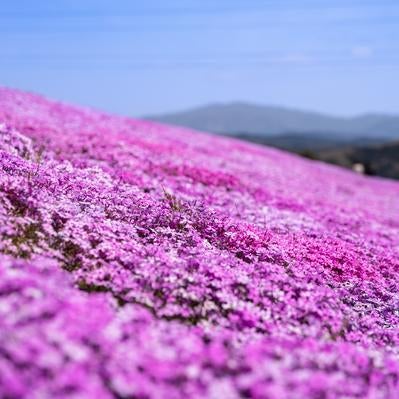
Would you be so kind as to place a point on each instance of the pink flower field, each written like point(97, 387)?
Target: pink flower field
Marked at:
point(143, 261)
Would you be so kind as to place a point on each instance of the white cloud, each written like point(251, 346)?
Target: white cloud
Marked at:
point(362, 52)
point(295, 58)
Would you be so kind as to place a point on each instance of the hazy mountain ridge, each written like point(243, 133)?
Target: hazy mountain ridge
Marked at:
point(262, 120)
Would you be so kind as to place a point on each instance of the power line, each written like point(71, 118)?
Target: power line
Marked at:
point(324, 54)
point(204, 64)
point(394, 22)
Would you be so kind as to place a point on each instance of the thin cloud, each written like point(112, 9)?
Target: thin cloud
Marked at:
point(362, 52)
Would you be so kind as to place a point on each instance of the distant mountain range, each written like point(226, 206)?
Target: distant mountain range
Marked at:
point(245, 119)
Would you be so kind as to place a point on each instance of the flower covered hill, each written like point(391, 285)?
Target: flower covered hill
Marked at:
point(143, 261)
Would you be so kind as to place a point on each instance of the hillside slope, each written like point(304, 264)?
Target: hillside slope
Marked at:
point(381, 160)
point(144, 261)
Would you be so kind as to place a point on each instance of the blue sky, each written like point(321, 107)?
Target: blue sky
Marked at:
point(143, 57)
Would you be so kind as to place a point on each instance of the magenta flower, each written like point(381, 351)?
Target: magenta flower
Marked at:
point(144, 261)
